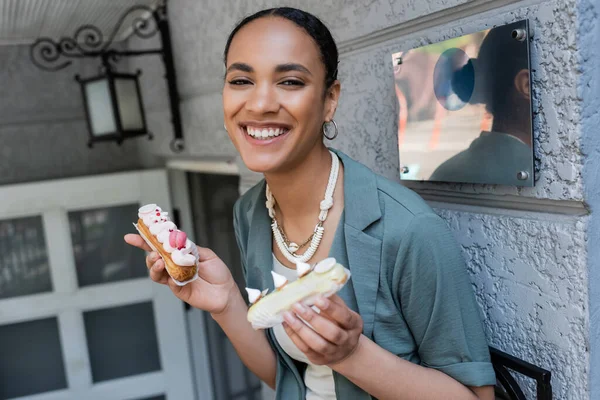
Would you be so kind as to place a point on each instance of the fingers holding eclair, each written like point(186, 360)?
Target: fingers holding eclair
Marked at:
point(179, 254)
point(211, 287)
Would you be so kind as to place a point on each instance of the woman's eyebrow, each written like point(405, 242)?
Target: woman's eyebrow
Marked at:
point(292, 67)
point(240, 67)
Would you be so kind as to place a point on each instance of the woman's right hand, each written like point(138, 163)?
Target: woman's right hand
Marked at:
point(213, 290)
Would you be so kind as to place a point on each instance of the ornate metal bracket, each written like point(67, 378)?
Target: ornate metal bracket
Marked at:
point(89, 42)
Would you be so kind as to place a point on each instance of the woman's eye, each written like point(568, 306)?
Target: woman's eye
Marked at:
point(292, 82)
point(239, 82)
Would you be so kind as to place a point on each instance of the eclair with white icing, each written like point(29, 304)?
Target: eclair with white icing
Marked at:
point(326, 278)
point(178, 252)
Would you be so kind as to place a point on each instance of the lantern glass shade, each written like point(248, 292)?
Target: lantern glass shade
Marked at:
point(100, 108)
point(113, 107)
point(129, 104)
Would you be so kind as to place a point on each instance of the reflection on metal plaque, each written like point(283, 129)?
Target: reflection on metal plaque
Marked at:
point(465, 109)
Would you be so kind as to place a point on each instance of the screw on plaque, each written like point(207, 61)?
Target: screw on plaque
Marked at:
point(522, 175)
point(519, 34)
point(399, 61)
point(404, 170)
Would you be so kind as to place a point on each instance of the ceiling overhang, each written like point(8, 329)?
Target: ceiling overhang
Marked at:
point(22, 22)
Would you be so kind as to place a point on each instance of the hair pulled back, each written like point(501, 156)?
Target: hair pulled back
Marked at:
point(311, 25)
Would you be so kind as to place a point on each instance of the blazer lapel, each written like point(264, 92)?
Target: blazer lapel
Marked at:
point(260, 248)
point(361, 210)
point(364, 257)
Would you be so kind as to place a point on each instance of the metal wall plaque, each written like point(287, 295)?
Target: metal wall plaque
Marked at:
point(465, 109)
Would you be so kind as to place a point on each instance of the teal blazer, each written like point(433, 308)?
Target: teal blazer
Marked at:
point(409, 281)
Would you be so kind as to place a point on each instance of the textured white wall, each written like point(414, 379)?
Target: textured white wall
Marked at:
point(529, 269)
point(43, 134)
point(526, 247)
point(530, 277)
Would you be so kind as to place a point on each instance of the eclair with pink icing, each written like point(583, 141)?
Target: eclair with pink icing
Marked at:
point(178, 252)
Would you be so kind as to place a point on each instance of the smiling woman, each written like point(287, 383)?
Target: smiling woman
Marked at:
point(280, 87)
point(406, 325)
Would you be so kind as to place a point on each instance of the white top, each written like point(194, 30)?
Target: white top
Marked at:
point(317, 378)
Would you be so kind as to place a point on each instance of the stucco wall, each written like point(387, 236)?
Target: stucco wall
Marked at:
point(529, 268)
point(527, 249)
point(531, 281)
point(43, 134)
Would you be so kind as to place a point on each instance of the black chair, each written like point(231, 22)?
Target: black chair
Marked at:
point(508, 388)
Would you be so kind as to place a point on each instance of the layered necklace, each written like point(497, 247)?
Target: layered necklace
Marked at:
point(288, 248)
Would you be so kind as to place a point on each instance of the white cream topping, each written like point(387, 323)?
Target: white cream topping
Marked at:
point(147, 209)
point(324, 265)
point(189, 246)
point(254, 294)
point(168, 248)
point(160, 225)
point(302, 268)
point(148, 212)
point(163, 236)
point(183, 259)
point(185, 255)
point(278, 280)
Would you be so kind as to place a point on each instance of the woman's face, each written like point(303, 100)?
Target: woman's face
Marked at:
point(273, 100)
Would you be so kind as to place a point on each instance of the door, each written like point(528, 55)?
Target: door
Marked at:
point(79, 317)
point(212, 196)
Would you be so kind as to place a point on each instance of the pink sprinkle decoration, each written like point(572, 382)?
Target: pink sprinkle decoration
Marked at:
point(177, 239)
point(181, 239)
point(172, 239)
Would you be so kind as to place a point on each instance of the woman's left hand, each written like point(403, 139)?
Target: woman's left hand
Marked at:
point(335, 331)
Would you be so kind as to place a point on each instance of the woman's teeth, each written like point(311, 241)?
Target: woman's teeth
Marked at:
point(266, 133)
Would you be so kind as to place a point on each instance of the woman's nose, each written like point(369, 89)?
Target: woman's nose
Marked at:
point(262, 99)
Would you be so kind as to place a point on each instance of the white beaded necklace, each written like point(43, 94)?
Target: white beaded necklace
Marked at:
point(289, 250)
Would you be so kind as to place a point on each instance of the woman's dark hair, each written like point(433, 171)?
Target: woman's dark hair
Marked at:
point(311, 24)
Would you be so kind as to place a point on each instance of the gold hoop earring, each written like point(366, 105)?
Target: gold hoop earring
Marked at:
point(334, 134)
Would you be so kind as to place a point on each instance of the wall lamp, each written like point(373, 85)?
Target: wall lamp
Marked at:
point(113, 104)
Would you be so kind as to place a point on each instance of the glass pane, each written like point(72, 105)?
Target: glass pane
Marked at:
point(31, 358)
point(465, 109)
point(122, 341)
point(129, 104)
point(24, 265)
point(101, 255)
point(100, 109)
